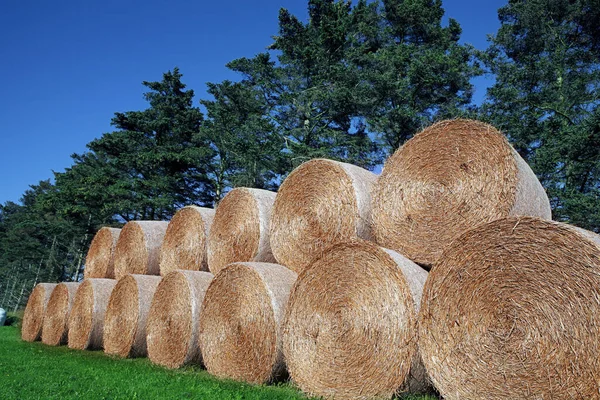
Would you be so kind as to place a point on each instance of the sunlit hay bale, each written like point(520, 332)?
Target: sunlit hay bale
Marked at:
point(172, 329)
point(56, 319)
point(138, 248)
point(351, 324)
point(184, 246)
point(126, 315)
point(322, 202)
point(240, 230)
point(446, 180)
point(33, 318)
point(240, 321)
point(511, 310)
point(86, 321)
point(99, 262)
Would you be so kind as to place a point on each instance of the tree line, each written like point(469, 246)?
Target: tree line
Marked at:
point(352, 83)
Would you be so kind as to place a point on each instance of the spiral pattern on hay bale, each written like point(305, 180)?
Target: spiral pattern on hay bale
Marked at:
point(99, 262)
point(447, 179)
point(240, 230)
point(86, 320)
point(185, 242)
point(172, 328)
point(351, 324)
point(127, 314)
point(240, 321)
point(138, 248)
point(322, 202)
point(56, 319)
point(512, 310)
point(33, 318)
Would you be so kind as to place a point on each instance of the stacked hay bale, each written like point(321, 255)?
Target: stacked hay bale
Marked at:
point(240, 230)
point(449, 178)
point(138, 248)
point(126, 315)
point(240, 321)
point(322, 202)
point(56, 317)
point(33, 318)
point(350, 325)
point(172, 327)
point(185, 242)
point(86, 321)
point(99, 262)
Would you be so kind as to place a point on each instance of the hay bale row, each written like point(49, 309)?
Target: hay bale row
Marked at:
point(33, 318)
point(138, 248)
point(126, 315)
point(172, 327)
point(240, 230)
point(56, 317)
point(185, 242)
point(322, 202)
point(240, 321)
point(99, 262)
point(86, 320)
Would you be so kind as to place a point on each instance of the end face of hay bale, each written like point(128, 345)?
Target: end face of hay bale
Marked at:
point(86, 321)
point(240, 321)
point(184, 246)
point(56, 318)
point(138, 248)
point(446, 180)
point(240, 230)
point(172, 328)
point(99, 262)
point(350, 329)
point(511, 310)
point(322, 202)
point(33, 318)
point(126, 315)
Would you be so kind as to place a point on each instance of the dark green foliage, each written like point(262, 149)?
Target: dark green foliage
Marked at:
point(546, 61)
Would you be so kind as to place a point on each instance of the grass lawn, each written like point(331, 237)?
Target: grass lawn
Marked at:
point(37, 371)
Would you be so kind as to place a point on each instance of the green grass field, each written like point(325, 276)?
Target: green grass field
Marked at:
point(37, 371)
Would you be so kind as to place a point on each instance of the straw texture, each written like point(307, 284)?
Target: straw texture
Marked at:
point(322, 202)
point(138, 248)
point(33, 318)
point(184, 246)
point(86, 321)
point(172, 329)
point(350, 328)
point(56, 318)
point(99, 262)
point(126, 315)
point(446, 180)
point(240, 230)
point(512, 311)
point(240, 321)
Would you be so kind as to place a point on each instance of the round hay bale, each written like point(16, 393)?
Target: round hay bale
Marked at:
point(56, 318)
point(138, 248)
point(240, 230)
point(184, 246)
point(512, 311)
point(172, 329)
point(351, 324)
point(240, 321)
point(86, 321)
point(99, 262)
point(322, 202)
point(33, 318)
point(446, 180)
point(126, 315)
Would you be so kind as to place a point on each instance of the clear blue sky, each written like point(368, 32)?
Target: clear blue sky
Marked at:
point(66, 66)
